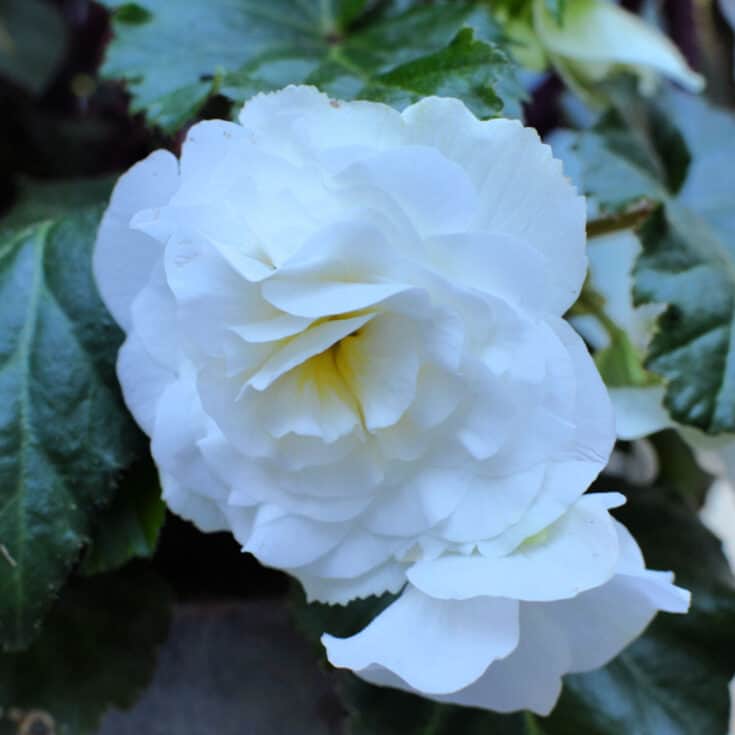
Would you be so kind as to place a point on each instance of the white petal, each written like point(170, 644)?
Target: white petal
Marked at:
point(301, 119)
point(433, 190)
point(593, 415)
point(326, 299)
point(345, 267)
point(437, 395)
point(576, 553)
point(252, 482)
point(272, 330)
point(522, 191)
point(612, 258)
point(418, 503)
point(219, 395)
point(381, 366)
point(143, 381)
point(387, 578)
point(180, 424)
point(289, 541)
point(123, 258)
point(600, 32)
point(441, 492)
point(528, 679)
point(497, 406)
point(491, 504)
point(202, 511)
point(298, 350)
point(601, 622)
point(154, 319)
point(357, 555)
point(500, 264)
point(639, 411)
point(211, 296)
point(435, 646)
point(204, 154)
point(311, 401)
point(562, 487)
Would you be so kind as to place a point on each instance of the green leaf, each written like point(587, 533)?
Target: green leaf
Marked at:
point(97, 650)
point(468, 69)
point(32, 42)
point(684, 265)
point(49, 200)
point(64, 432)
point(674, 679)
point(351, 49)
point(679, 469)
point(129, 527)
point(132, 13)
point(678, 151)
point(383, 711)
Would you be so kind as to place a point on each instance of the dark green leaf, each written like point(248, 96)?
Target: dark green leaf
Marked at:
point(680, 152)
point(648, 136)
point(346, 11)
point(636, 150)
point(132, 13)
point(129, 527)
point(467, 68)
point(64, 432)
point(382, 711)
point(684, 265)
point(349, 48)
point(97, 650)
point(48, 200)
point(32, 41)
point(709, 133)
point(679, 469)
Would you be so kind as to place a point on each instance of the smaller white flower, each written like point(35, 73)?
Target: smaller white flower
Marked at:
point(595, 39)
point(500, 631)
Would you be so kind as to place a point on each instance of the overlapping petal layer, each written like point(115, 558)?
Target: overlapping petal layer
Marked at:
point(500, 632)
point(345, 340)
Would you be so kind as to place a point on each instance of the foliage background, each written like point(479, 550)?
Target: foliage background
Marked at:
point(116, 617)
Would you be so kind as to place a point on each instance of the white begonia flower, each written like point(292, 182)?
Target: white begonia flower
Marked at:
point(344, 338)
point(594, 39)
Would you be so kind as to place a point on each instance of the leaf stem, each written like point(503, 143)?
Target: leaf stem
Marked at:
point(629, 219)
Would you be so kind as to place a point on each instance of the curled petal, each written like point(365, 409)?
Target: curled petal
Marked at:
point(434, 646)
point(123, 258)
